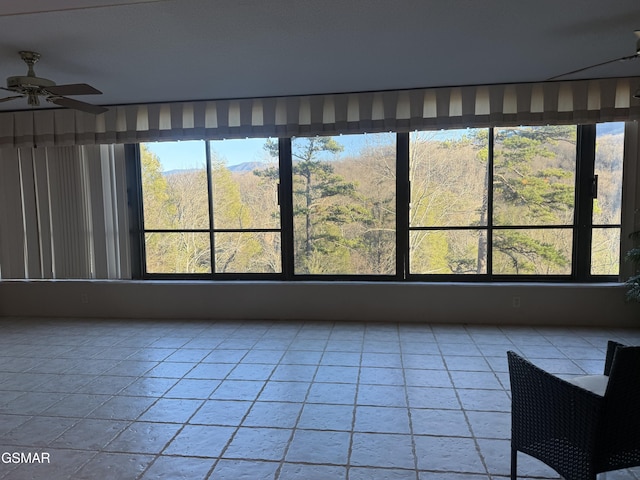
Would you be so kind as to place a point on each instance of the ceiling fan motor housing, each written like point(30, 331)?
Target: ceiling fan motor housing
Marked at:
point(21, 82)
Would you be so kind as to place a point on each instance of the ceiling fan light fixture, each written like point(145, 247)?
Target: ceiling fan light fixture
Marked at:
point(33, 100)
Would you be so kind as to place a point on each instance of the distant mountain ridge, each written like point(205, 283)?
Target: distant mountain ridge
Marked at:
point(178, 171)
point(240, 167)
point(247, 166)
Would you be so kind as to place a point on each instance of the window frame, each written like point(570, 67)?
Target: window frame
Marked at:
point(581, 228)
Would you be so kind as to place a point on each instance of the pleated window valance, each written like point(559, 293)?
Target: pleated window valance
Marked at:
point(563, 102)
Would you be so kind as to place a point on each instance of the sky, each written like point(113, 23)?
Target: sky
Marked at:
point(191, 154)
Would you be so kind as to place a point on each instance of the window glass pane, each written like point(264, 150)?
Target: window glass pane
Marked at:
point(344, 204)
point(174, 185)
point(608, 168)
point(248, 252)
point(605, 251)
point(532, 252)
point(179, 252)
point(448, 251)
point(245, 180)
point(534, 175)
point(448, 174)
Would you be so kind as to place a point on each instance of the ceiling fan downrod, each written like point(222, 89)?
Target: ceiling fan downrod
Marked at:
point(30, 58)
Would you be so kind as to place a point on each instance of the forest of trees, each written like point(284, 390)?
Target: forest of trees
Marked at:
point(344, 206)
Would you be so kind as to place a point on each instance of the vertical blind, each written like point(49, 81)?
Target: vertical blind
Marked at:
point(561, 102)
point(63, 213)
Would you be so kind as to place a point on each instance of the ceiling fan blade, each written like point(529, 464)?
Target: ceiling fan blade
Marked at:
point(73, 89)
point(77, 105)
point(621, 59)
point(6, 99)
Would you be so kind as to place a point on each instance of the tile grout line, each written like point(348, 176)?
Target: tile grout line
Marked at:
point(464, 411)
point(253, 402)
point(348, 465)
point(406, 394)
point(185, 423)
point(304, 402)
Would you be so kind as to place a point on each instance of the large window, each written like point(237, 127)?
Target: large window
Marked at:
point(519, 203)
point(448, 202)
point(607, 204)
point(176, 217)
point(344, 205)
point(246, 218)
point(533, 183)
point(211, 208)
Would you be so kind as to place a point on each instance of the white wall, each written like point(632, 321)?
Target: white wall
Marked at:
point(540, 304)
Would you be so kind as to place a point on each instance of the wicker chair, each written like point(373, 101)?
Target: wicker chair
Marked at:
point(579, 431)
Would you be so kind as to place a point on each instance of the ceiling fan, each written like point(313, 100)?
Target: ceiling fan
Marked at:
point(620, 59)
point(34, 87)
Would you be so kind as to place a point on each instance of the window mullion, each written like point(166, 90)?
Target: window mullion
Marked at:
point(490, 203)
point(285, 195)
point(212, 240)
point(582, 233)
point(403, 198)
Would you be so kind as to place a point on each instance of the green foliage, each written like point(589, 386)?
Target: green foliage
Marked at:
point(633, 283)
point(159, 206)
point(525, 252)
point(344, 207)
point(230, 212)
point(433, 255)
point(633, 289)
point(532, 186)
point(321, 205)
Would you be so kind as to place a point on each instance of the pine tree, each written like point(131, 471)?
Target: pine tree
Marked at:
point(533, 185)
point(321, 206)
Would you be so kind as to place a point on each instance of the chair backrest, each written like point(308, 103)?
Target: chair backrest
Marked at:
point(620, 427)
point(624, 375)
point(611, 350)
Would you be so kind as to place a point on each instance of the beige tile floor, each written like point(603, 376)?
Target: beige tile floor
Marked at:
point(272, 400)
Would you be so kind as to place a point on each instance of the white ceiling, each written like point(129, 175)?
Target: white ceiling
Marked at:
point(164, 50)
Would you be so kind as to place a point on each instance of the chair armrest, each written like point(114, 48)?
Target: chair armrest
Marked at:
point(547, 410)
